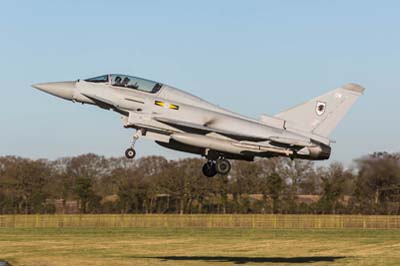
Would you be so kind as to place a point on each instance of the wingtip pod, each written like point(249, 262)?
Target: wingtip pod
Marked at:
point(354, 87)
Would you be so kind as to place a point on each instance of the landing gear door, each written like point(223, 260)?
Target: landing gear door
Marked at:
point(136, 119)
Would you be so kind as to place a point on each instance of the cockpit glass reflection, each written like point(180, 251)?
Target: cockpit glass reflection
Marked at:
point(135, 83)
point(129, 82)
point(100, 79)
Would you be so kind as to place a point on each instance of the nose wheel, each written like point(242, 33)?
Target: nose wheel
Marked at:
point(130, 153)
point(212, 168)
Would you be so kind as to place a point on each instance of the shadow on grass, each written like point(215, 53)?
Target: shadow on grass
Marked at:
point(244, 260)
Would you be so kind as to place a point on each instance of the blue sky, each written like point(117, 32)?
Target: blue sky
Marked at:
point(252, 57)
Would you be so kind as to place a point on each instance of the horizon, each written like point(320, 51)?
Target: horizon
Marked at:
point(352, 165)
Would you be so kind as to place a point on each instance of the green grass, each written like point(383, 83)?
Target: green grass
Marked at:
point(42, 247)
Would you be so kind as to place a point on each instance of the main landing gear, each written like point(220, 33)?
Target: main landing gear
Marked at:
point(130, 153)
point(221, 166)
point(209, 169)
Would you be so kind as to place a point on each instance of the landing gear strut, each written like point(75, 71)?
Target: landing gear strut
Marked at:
point(130, 153)
point(221, 166)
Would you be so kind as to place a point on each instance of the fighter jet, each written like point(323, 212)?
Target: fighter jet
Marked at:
point(180, 121)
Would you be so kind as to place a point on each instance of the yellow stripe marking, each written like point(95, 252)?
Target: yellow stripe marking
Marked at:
point(173, 106)
point(159, 103)
point(170, 106)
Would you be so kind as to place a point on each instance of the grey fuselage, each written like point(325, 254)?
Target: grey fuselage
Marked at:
point(181, 121)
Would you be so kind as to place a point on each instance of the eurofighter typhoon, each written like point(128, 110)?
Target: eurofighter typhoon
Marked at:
point(181, 121)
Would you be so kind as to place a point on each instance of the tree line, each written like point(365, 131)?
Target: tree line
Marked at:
point(156, 185)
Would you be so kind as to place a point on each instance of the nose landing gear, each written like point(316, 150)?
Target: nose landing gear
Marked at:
point(130, 153)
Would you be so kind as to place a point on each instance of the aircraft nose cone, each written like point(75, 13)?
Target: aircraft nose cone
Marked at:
point(63, 90)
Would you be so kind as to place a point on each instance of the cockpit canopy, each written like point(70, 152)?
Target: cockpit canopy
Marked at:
point(129, 82)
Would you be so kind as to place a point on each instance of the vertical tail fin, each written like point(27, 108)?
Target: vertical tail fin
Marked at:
point(322, 114)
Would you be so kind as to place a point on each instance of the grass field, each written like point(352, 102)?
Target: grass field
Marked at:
point(212, 246)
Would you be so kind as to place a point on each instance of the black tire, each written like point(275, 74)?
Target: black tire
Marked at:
point(209, 169)
point(130, 153)
point(223, 166)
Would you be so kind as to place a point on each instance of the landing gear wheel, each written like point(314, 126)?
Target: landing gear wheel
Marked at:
point(223, 166)
point(209, 169)
point(130, 153)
